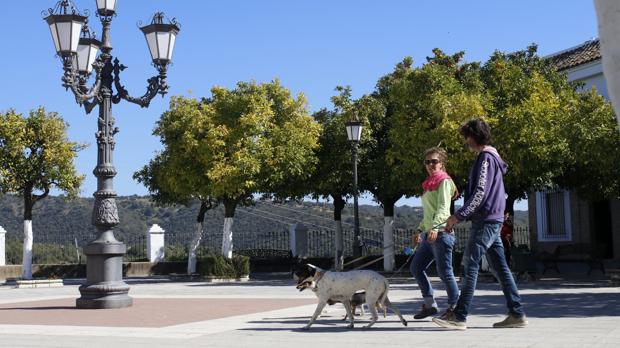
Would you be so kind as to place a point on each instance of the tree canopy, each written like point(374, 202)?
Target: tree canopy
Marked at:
point(37, 156)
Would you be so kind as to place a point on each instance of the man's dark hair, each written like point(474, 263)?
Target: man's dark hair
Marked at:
point(478, 130)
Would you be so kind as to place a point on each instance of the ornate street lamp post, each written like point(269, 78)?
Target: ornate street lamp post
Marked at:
point(77, 48)
point(354, 132)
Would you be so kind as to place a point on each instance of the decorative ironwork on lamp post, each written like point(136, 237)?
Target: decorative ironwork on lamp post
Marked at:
point(77, 47)
point(354, 133)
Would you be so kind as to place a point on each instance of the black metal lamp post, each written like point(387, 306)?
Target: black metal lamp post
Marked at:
point(354, 132)
point(77, 47)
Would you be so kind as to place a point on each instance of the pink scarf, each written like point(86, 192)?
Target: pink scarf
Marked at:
point(432, 181)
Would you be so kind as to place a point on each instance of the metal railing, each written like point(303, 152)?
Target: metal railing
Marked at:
point(49, 249)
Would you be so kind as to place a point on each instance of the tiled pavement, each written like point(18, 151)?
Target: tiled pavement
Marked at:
point(270, 312)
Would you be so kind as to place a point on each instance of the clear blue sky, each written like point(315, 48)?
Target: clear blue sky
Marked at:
point(311, 46)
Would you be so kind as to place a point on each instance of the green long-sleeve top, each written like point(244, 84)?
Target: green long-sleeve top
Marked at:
point(436, 206)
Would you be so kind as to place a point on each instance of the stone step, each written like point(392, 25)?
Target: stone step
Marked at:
point(38, 283)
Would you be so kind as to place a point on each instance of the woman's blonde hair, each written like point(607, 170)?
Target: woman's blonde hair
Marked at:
point(440, 152)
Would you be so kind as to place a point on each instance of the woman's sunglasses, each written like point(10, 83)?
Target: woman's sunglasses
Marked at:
point(431, 161)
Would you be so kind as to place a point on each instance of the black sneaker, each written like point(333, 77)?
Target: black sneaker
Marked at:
point(425, 312)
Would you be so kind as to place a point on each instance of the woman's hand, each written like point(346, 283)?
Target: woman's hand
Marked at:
point(431, 236)
point(416, 237)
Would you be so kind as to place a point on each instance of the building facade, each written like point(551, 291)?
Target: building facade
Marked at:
point(562, 217)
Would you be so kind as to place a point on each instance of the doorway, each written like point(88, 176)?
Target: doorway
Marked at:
point(602, 240)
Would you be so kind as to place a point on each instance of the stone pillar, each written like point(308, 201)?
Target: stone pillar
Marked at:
point(155, 243)
point(2, 246)
point(608, 15)
point(388, 244)
point(299, 240)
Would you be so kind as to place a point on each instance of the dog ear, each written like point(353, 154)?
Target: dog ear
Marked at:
point(316, 268)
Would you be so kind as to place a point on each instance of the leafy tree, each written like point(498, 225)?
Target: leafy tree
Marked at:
point(333, 174)
point(255, 138)
point(37, 156)
point(429, 104)
point(410, 110)
point(546, 130)
point(376, 173)
point(594, 141)
point(175, 176)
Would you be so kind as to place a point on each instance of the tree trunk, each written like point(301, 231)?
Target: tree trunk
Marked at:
point(227, 236)
point(193, 246)
point(388, 236)
point(29, 200)
point(339, 252)
point(191, 259)
point(510, 204)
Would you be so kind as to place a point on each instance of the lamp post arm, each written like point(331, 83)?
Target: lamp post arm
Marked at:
point(156, 84)
point(77, 84)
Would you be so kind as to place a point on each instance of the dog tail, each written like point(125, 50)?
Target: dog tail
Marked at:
point(383, 296)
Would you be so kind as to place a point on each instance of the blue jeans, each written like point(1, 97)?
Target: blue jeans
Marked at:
point(484, 238)
point(439, 251)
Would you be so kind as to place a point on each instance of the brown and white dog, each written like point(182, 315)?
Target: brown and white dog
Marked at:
point(342, 287)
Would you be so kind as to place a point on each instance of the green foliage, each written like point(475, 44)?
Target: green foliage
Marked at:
point(592, 169)
point(529, 105)
point(219, 266)
point(36, 154)
point(42, 253)
point(255, 138)
point(333, 173)
point(429, 104)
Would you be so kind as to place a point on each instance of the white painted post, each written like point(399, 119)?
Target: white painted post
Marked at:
point(299, 240)
point(227, 238)
point(388, 243)
point(155, 244)
point(2, 246)
point(27, 252)
point(292, 240)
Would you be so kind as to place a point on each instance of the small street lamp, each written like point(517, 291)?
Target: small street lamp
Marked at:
point(354, 132)
point(77, 47)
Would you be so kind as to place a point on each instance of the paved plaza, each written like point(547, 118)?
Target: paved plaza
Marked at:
point(268, 312)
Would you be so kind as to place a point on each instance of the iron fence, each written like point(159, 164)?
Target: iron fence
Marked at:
point(321, 243)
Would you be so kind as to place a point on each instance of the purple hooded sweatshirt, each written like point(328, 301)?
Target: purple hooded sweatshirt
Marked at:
point(485, 197)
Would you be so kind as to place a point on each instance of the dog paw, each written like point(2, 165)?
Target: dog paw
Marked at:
point(350, 326)
point(404, 322)
point(306, 328)
point(367, 327)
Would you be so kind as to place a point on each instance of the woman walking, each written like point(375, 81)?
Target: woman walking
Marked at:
point(435, 244)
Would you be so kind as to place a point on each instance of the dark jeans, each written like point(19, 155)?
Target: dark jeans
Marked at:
point(484, 238)
point(441, 252)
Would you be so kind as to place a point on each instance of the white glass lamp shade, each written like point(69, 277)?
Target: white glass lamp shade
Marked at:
point(106, 7)
point(86, 54)
point(65, 29)
point(354, 130)
point(160, 39)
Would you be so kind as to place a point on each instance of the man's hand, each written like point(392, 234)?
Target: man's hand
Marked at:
point(452, 220)
point(431, 236)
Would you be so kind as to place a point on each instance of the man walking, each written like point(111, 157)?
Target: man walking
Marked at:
point(485, 200)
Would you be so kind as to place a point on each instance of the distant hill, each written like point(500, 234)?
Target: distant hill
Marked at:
point(56, 219)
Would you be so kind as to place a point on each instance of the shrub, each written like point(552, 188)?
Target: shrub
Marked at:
point(219, 266)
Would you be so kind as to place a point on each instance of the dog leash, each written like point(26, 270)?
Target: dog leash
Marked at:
point(382, 257)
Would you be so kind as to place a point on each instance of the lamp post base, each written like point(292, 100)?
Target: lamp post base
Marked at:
point(104, 286)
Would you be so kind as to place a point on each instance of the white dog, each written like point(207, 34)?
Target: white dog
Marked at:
point(342, 286)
